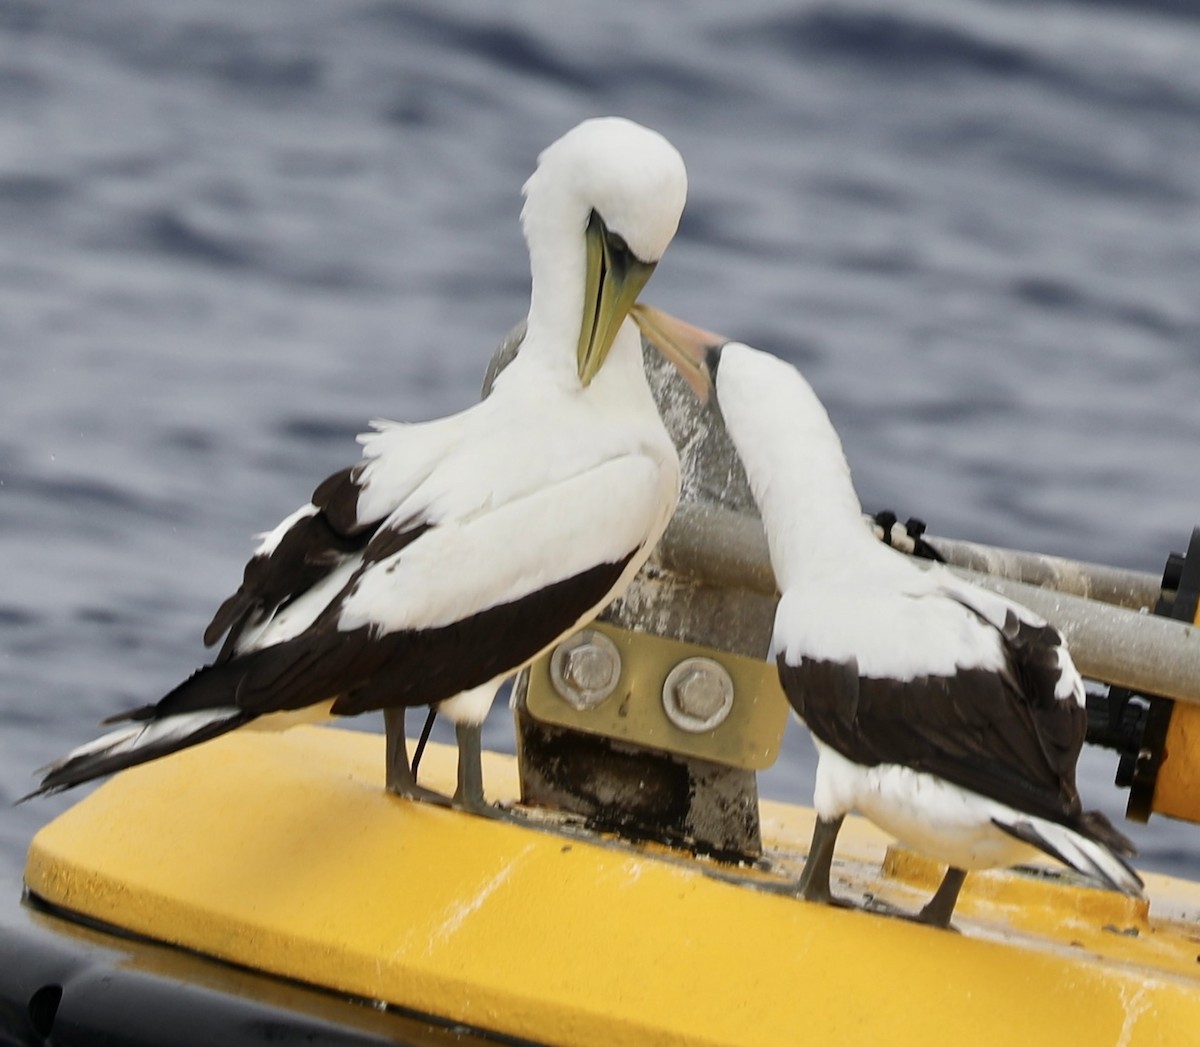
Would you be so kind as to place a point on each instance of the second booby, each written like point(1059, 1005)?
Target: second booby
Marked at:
point(948, 715)
point(458, 550)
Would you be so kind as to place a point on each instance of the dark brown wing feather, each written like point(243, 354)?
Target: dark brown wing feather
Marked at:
point(367, 671)
point(311, 548)
point(1000, 734)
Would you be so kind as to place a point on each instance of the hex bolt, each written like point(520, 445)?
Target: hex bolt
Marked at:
point(698, 694)
point(585, 669)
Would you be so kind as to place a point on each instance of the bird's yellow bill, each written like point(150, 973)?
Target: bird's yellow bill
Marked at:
point(687, 347)
point(614, 280)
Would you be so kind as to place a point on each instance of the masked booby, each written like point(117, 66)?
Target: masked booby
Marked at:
point(458, 550)
point(948, 715)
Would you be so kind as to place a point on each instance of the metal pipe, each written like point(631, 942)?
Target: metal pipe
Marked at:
point(729, 548)
point(1135, 590)
point(1109, 641)
point(719, 546)
point(1144, 652)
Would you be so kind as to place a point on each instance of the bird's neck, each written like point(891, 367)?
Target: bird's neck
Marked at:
point(814, 522)
point(558, 272)
point(796, 468)
point(553, 328)
point(622, 380)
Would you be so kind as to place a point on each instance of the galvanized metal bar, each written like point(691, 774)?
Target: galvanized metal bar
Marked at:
point(726, 547)
point(719, 546)
point(1144, 652)
point(1135, 590)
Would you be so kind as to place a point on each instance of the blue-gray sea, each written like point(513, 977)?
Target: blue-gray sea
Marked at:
point(231, 233)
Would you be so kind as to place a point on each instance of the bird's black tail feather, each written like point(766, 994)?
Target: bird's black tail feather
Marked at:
point(136, 743)
point(287, 676)
point(1093, 847)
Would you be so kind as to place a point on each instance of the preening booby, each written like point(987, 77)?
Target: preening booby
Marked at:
point(458, 550)
point(948, 715)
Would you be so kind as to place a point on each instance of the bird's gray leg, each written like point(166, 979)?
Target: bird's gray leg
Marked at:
point(469, 794)
point(813, 884)
point(941, 906)
point(400, 778)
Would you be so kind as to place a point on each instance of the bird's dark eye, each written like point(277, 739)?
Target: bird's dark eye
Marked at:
point(712, 360)
point(615, 246)
point(616, 243)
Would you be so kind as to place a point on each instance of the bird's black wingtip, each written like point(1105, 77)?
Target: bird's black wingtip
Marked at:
point(41, 790)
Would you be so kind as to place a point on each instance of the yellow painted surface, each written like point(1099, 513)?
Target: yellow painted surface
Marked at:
point(283, 853)
point(1177, 787)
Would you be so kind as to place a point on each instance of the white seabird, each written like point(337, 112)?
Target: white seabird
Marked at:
point(948, 715)
point(458, 550)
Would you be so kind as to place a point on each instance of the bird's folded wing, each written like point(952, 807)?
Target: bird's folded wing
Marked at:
point(499, 554)
point(306, 548)
point(989, 722)
point(968, 729)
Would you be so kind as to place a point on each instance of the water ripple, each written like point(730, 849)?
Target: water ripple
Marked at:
point(887, 44)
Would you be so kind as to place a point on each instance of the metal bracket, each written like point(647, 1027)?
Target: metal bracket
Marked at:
point(667, 695)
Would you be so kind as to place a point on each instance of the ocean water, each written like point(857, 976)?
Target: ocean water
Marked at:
point(231, 233)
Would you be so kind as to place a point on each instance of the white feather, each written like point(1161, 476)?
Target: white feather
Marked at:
point(292, 619)
point(268, 541)
point(953, 825)
point(926, 813)
point(510, 551)
point(1088, 857)
point(471, 706)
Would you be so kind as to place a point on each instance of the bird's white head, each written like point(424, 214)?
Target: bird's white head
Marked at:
point(600, 210)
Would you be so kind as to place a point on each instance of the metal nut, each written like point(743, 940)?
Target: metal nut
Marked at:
point(698, 694)
point(585, 669)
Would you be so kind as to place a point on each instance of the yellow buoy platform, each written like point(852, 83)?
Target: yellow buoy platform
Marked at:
point(283, 853)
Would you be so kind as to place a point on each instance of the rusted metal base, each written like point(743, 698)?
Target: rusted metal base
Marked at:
point(636, 792)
